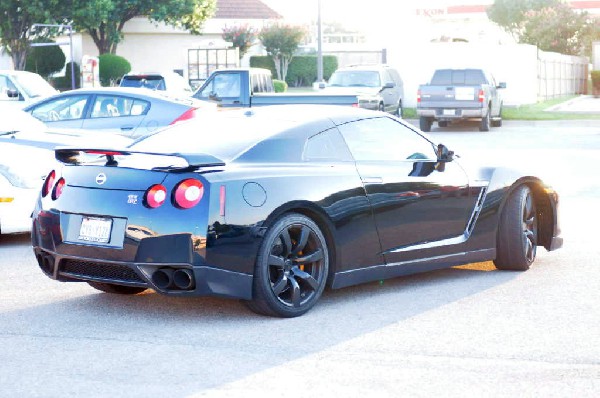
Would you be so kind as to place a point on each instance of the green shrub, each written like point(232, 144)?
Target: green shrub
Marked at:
point(112, 68)
point(280, 86)
point(302, 71)
point(45, 60)
point(63, 83)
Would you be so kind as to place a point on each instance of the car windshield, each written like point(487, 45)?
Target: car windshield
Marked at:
point(223, 137)
point(34, 85)
point(355, 79)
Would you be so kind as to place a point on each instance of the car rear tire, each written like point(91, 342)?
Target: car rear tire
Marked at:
point(425, 123)
point(116, 289)
point(485, 122)
point(291, 268)
point(381, 107)
point(400, 110)
point(517, 232)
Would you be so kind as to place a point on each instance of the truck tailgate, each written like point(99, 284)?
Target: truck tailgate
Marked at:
point(449, 96)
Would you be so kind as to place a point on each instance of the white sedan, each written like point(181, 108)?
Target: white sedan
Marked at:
point(26, 157)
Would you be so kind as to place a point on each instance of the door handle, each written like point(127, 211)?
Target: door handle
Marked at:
point(126, 128)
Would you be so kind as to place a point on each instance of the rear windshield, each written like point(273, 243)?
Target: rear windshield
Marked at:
point(223, 137)
point(151, 82)
point(458, 77)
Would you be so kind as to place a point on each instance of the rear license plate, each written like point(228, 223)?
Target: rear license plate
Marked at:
point(449, 112)
point(95, 229)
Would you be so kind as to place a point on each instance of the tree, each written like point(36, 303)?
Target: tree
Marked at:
point(16, 20)
point(281, 42)
point(45, 60)
point(104, 19)
point(551, 25)
point(242, 37)
point(557, 28)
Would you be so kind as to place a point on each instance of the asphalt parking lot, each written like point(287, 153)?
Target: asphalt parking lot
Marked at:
point(466, 331)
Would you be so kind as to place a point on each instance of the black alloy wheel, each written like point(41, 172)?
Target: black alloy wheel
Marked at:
point(291, 268)
point(518, 232)
point(117, 289)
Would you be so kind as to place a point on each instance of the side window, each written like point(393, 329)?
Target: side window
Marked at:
point(387, 78)
point(326, 146)
point(66, 108)
point(223, 86)
point(385, 139)
point(105, 106)
point(5, 86)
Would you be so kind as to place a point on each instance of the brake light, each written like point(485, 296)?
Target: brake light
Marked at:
point(188, 193)
point(187, 115)
point(481, 96)
point(418, 95)
point(155, 196)
point(58, 188)
point(48, 183)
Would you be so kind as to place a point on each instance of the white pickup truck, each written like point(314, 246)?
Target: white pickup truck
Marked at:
point(20, 88)
point(459, 94)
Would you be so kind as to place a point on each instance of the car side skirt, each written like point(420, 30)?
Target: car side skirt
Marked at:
point(387, 271)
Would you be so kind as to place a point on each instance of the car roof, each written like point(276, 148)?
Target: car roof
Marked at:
point(130, 91)
point(235, 134)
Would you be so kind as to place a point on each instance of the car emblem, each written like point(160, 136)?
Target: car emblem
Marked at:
point(100, 178)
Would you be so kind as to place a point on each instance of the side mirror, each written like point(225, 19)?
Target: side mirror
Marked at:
point(501, 85)
point(322, 85)
point(389, 85)
point(12, 94)
point(443, 154)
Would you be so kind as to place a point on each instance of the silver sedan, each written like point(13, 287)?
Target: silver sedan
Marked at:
point(131, 112)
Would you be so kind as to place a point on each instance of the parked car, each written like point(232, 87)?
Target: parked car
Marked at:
point(128, 111)
point(170, 82)
point(272, 204)
point(460, 94)
point(379, 87)
point(252, 87)
point(26, 155)
point(20, 88)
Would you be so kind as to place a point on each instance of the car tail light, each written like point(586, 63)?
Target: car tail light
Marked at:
point(418, 95)
point(188, 193)
point(58, 188)
point(48, 183)
point(155, 196)
point(481, 96)
point(187, 115)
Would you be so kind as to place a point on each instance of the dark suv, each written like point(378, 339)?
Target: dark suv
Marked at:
point(379, 86)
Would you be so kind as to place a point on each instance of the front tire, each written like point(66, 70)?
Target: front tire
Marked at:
point(116, 289)
point(517, 232)
point(291, 268)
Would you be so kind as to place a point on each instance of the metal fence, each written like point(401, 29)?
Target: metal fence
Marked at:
point(560, 75)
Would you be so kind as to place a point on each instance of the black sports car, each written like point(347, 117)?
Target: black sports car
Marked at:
point(272, 204)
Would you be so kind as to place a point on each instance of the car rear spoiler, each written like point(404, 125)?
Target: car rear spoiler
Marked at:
point(77, 156)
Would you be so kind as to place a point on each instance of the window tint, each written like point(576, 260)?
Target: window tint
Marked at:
point(116, 106)
point(328, 145)
point(384, 139)
point(450, 77)
point(65, 108)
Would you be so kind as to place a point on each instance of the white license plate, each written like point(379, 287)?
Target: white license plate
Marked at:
point(95, 229)
point(449, 112)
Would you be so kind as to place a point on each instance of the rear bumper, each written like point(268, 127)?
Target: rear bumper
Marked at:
point(204, 281)
point(453, 114)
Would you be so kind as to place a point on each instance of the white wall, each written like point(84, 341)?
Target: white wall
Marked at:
point(514, 64)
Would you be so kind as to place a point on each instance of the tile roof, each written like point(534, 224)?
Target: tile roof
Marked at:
point(244, 9)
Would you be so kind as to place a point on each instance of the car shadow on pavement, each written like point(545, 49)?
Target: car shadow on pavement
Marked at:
point(219, 339)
